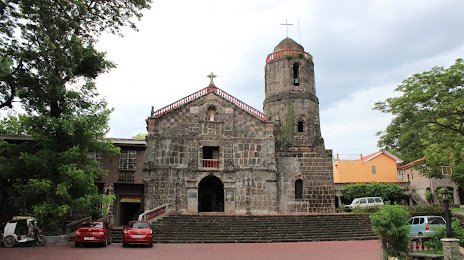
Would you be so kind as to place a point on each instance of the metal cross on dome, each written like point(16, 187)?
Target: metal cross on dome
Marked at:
point(286, 25)
point(211, 76)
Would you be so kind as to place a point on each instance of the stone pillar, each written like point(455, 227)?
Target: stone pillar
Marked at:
point(451, 249)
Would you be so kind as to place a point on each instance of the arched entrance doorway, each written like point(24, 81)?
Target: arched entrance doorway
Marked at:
point(211, 195)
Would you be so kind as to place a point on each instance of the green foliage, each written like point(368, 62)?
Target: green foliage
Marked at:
point(426, 209)
point(299, 54)
point(140, 136)
point(440, 233)
point(440, 196)
point(12, 125)
point(429, 196)
point(390, 223)
point(288, 56)
point(287, 131)
point(387, 191)
point(429, 120)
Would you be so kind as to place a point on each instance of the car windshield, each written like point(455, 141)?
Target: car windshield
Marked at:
point(92, 224)
point(138, 225)
point(355, 201)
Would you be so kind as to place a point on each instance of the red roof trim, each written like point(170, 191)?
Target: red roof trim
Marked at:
point(203, 92)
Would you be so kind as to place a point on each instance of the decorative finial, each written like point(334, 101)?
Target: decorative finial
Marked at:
point(211, 76)
point(152, 111)
point(286, 25)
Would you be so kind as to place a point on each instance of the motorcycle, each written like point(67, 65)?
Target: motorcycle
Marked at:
point(18, 231)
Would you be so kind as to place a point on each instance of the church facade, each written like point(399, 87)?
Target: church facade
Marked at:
point(210, 152)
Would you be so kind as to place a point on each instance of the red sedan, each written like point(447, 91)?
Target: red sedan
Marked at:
point(92, 232)
point(138, 232)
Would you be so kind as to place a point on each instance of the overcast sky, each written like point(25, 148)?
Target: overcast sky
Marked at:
point(362, 50)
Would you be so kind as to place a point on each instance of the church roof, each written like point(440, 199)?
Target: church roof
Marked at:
point(210, 89)
point(288, 44)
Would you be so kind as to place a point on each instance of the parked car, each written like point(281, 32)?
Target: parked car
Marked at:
point(364, 202)
point(93, 232)
point(423, 225)
point(138, 232)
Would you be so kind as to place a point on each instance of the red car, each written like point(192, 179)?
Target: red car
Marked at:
point(138, 232)
point(92, 232)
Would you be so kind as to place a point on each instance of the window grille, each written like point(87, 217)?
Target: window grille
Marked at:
point(127, 160)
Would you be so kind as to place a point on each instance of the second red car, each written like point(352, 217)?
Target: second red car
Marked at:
point(138, 232)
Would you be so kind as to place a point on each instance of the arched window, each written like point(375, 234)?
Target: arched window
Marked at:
point(296, 74)
point(300, 126)
point(299, 189)
point(211, 114)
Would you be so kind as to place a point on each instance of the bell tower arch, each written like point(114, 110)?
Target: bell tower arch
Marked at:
point(290, 94)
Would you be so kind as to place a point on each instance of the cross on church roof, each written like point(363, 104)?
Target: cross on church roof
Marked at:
point(211, 76)
point(286, 25)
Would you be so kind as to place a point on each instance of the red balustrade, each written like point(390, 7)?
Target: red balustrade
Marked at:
point(210, 164)
point(205, 91)
point(155, 213)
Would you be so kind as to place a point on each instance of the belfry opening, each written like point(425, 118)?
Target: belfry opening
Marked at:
point(211, 195)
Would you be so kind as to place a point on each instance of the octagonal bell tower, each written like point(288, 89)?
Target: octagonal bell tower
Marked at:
point(290, 96)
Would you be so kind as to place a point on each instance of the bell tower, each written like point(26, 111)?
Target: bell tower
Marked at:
point(290, 96)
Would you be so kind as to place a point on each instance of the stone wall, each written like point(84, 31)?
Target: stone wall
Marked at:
point(314, 167)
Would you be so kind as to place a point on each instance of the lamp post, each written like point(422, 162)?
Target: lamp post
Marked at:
point(449, 233)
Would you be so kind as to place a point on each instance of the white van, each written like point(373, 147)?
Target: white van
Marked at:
point(364, 202)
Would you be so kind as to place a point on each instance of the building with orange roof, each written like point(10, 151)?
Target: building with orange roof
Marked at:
point(376, 167)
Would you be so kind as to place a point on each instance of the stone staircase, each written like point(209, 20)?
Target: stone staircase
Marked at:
point(262, 228)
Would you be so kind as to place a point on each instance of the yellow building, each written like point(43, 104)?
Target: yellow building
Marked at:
point(379, 167)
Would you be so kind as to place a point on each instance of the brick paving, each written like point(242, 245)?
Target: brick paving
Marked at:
point(346, 250)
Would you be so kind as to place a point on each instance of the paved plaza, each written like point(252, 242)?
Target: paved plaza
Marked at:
point(346, 250)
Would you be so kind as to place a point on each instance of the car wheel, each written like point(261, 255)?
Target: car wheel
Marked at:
point(150, 245)
point(76, 244)
point(105, 243)
point(420, 234)
point(124, 244)
point(9, 241)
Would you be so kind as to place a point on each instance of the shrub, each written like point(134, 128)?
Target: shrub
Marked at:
point(426, 209)
point(429, 196)
point(390, 223)
point(288, 56)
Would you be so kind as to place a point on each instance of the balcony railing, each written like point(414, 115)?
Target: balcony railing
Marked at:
point(126, 176)
point(210, 164)
point(284, 53)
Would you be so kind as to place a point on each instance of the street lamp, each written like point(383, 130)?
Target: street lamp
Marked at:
point(445, 193)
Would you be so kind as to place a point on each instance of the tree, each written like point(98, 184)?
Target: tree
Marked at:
point(53, 65)
point(140, 136)
point(429, 120)
point(387, 191)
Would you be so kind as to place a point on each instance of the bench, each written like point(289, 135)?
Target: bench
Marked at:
point(422, 256)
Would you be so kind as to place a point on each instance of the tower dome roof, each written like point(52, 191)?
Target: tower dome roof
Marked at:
point(288, 44)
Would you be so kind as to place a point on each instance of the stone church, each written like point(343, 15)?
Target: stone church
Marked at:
point(210, 152)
